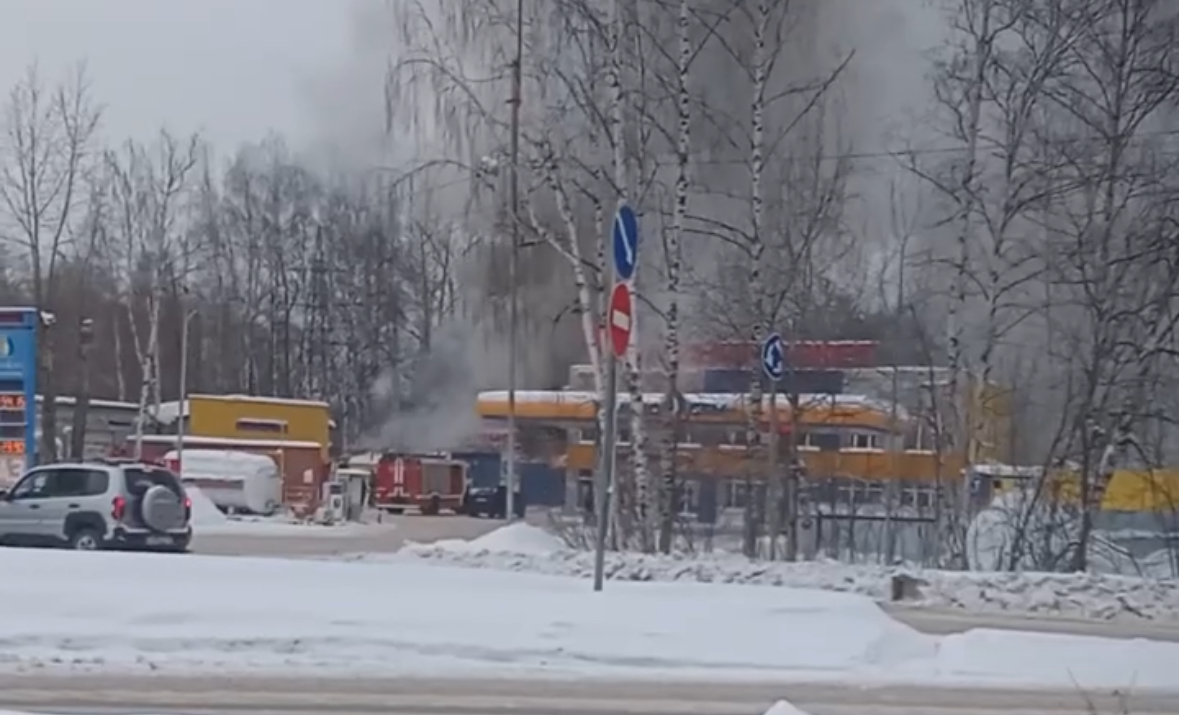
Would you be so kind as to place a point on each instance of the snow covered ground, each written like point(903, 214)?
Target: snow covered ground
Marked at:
point(118, 612)
point(208, 519)
point(525, 548)
point(780, 708)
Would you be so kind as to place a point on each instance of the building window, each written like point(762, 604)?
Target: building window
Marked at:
point(734, 493)
point(585, 493)
point(687, 494)
point(919, 497)
point(259, 425)
point(808, 441)
point(866, 440)
point(623, 434)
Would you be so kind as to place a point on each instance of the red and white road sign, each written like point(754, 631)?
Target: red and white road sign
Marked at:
point(620, 318)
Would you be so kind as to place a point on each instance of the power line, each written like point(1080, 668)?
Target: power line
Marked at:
point(1137, 140)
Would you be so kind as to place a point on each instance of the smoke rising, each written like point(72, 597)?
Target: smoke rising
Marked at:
point(429, 404)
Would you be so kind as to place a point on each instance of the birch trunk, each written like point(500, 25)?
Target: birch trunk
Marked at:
point(599, 312)
point(142, 356)
point(572, 253)
point(120, 376)
point(156, 383)
point(959, 402)
point(669, 501)
point(756, 253)
point(628, 515)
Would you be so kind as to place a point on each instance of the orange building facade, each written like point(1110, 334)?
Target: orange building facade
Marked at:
point(850, 445)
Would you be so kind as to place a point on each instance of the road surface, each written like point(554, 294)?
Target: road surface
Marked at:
point(93, 695)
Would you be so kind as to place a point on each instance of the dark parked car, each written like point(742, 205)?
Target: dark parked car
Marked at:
point(491, 502)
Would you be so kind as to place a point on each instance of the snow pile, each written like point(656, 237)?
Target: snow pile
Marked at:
point(993, 543)
point(784, 708)
point(1089, 596)
point(207, 519)
point(517, 538)
point(204, 511)
point(211, 614)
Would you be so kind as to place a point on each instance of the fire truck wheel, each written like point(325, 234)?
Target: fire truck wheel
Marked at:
point(433, 506)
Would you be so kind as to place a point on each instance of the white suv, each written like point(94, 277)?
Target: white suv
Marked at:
point(97, 505)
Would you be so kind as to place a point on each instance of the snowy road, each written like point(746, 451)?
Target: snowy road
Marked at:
point(259, 696)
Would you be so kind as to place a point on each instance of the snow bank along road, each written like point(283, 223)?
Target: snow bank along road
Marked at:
point(1100, 606)
point(950, 602)
point(257, 696)
point(116, 613)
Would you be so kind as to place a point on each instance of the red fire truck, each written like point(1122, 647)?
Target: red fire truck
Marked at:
point(430, 484)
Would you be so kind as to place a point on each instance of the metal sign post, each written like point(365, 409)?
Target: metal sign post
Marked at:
point(619, 326)
point(773, 363)
point(607, 465)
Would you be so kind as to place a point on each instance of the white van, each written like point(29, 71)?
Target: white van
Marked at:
point(234, 481)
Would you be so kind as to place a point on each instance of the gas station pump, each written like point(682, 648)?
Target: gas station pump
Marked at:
point(334, 506)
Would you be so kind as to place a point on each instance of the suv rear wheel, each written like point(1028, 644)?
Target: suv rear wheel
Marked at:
point(86, 540)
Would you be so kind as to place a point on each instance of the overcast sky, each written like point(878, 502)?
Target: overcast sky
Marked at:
point(231, 69)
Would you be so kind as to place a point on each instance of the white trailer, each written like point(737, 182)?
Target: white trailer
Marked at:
point(234, 481)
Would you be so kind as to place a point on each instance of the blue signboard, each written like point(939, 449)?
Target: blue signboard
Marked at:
point(773, 357)
point(625, 238)
point(18, 390)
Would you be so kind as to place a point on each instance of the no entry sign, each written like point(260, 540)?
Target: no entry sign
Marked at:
point(621, 318)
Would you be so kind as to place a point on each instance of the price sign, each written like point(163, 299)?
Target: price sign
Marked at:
point(12, 402)
point(12, 448)
point(18, 385)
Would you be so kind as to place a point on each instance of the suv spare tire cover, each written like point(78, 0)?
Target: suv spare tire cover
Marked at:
point(161, 509)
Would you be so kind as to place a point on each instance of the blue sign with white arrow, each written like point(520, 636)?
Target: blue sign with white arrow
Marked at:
point(626, 242)
point(773, 357)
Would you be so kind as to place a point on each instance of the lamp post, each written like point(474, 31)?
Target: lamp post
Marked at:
point(182, 393)
point(82, 399)
point(513, 265)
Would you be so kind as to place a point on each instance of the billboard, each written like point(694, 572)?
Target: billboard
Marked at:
point(18, 393)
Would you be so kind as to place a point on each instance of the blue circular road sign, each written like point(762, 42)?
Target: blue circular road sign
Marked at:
point(626, 242)
point(773, 357)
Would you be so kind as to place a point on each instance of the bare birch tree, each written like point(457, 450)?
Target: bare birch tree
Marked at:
point(48, 138)
point(1112, 243)
point(991, 88)
point(148, 186)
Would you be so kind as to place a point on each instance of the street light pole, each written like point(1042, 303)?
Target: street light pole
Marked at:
point(513, 264)
point(82, 399)
point(182, 399)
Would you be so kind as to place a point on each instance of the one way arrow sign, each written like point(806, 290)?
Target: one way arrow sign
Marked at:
point(773, 357)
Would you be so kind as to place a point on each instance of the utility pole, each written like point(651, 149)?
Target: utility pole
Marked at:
point(514, 263)
point(895, 439)
point(82, 399)
point(182, 392)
